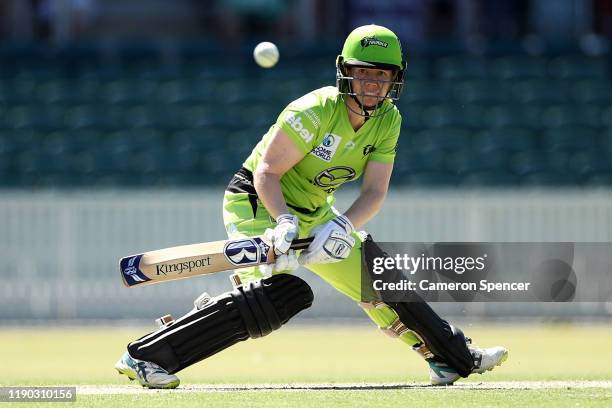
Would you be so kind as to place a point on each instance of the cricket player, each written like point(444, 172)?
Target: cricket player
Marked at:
point(285, 190)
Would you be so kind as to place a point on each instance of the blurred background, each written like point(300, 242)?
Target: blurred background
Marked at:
point(121, 123)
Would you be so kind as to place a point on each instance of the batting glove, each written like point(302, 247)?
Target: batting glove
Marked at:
point(332, 242)
point(283, 234)
point(283, 263)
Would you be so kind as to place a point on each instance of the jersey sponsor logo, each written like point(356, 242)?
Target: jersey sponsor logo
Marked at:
point(314, 118)
point(326, 150)
point(296, 124)
point(367, 41)
point(332, 178)
point(350, 145)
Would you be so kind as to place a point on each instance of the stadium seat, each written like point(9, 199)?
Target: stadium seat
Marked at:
point(548, 178)
point(606, 116)
point(412, 119)
point(480, 91)
point(519, 67)
point(426, 92)
point(513, 115)
point(458, 115)
point(93, 116)
point(592, 91)
point(489, 178)
point(571, 115)
point(588, 162)
point(470, 160)
point(523, 163)
point(461, 67)
point(444, 138)
point(17, 90)
point(426, 179)
point(60, 91)
point(574, 67)
point(418, 160)
point(599, 180)
point(34, 116)
point(418, 68)
point(539, 91)
point(514, 139)
point(570, 138)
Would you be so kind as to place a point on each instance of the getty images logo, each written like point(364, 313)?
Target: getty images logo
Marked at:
point(296, 124)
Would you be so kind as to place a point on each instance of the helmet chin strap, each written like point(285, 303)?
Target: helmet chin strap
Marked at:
point(367, 110)
point(364, 109)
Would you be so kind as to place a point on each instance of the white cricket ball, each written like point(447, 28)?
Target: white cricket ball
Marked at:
point(266, 54)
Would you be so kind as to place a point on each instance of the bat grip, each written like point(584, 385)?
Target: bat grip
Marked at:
point(301, 243)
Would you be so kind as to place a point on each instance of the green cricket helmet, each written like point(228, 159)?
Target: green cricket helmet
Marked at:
point(371, 46)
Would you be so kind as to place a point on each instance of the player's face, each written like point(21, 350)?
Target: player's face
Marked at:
point(370, 84)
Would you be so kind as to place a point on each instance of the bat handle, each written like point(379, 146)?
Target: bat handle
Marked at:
point(301, 243)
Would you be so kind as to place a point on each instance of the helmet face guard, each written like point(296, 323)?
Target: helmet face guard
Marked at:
point(344, 83)
point(373, 47)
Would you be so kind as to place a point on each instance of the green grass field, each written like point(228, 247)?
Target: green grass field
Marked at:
point(308, 357)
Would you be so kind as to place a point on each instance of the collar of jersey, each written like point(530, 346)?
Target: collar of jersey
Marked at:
point(348, 120)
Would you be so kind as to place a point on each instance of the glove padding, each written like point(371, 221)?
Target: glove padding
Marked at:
point(332, 242)
point(283, 234)
point(283, 263)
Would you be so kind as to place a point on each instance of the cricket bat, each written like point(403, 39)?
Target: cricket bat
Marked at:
point(186, 261)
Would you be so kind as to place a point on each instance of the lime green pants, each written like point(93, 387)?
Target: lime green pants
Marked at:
point(344, 276)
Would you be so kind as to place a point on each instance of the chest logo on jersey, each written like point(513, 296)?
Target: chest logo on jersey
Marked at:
point(326, 150)
point(332, 178)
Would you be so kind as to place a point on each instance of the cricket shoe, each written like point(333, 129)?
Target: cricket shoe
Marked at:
point(148, 374)
point(441, 374)
point(485, 359)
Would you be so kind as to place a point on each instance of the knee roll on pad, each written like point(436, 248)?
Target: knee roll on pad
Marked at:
point(253, 310)
point(446, 342)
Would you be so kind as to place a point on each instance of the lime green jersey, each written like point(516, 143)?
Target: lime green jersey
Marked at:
point(334, 153)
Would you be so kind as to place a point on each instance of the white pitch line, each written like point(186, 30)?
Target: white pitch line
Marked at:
point(204, 388)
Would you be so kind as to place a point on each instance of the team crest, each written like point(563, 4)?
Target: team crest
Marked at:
point(368, 149)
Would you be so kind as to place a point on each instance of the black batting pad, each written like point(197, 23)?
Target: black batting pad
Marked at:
point(446, 342)
point(253, 310)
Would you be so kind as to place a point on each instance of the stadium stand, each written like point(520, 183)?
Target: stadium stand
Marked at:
point(87, 115)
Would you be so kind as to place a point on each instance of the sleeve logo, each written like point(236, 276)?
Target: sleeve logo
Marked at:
point(296, 124)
